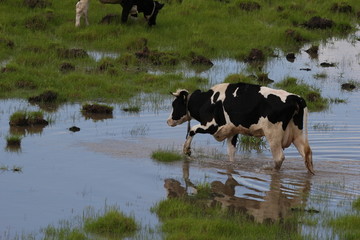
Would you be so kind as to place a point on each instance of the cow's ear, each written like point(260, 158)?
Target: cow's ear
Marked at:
point(184, 94)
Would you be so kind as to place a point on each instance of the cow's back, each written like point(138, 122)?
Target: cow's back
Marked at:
point(244, 104)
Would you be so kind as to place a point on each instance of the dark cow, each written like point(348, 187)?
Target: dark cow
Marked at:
point(227, 110)
point(149, 8)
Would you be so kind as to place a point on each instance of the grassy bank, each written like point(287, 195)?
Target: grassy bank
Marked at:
point(37, 43)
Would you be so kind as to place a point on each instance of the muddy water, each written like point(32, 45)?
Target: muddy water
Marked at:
point(108, 161)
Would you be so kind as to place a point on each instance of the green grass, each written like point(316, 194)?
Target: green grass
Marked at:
point(13, 140)
point(248, 143)
point(112, 224)
point(315, 102)
point(33, 40)
point(166, 156)
point(26, 118)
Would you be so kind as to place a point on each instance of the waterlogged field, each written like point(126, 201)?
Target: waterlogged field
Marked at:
point(57, 175)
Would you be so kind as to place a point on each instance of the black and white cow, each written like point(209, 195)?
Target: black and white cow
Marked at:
point(227, 110)
point(149, 8)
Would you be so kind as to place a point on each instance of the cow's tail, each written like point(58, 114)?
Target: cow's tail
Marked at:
point(307, 153)
point(305, 131)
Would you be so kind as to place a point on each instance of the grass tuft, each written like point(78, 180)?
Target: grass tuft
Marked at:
point(311, 94)
point(166, 156)
point(112, 224)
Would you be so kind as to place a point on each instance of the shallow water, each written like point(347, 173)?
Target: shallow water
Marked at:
point(108, 161)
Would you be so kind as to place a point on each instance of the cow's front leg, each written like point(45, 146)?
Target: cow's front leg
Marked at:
point(208, 128)
point(125, 13)
point(187, 148)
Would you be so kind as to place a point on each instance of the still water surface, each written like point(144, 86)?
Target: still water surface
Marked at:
point(108, 161)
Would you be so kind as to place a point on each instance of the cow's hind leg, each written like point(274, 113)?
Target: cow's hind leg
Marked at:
point(231, 144)
point(276, 149)
point(304, 149)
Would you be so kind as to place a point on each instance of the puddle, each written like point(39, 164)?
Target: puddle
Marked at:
point(97, 56)
point(108, 161)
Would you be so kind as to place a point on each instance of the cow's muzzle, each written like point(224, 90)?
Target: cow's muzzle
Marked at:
point(171, 122)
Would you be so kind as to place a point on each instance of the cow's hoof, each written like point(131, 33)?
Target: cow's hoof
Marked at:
point(187, 152)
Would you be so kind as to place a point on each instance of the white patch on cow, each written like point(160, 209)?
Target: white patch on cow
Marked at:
point(235, 92)
point(221, 88)
point(265, 91)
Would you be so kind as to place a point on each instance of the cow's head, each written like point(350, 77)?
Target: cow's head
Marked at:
point(179, 113)
point(151, 18)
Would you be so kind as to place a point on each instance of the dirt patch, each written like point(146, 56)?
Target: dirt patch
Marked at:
point(97, 112)
point(72, 53)
point(326, 64)
point(348, 86)
point(319, 23)
point(341, 8)
point(200, 60)
point(111, 18)
point(264, 79)
point(290, 57)
point(28, 121)
point(105, 65)
point(249, 6)
point(295, 35)
point(67, 67)
point(45, 97)
point(97, 108)
point(137, 44)
point(7, 43)
point(255, 55)
point(313, 97)
point(37, 3)
point(74, 129)
point(313, 51)
point(157, 58)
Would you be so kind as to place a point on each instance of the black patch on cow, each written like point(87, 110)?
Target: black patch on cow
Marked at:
point(216, 96)
point(234, 140)
point(219, 114)
point(299, 112)
point(203, 110)
point(212, 130)
point(245, 106)
point(280, 111)
point(179, 105)
point(148, 7)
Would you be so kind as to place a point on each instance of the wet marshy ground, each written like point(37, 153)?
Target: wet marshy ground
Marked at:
point(106, 161)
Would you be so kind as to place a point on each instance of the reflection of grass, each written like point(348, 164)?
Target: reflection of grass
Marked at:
point(347, 226)
point(322, 127)
point(166, 156)
point(139, 130)
point(193, 218)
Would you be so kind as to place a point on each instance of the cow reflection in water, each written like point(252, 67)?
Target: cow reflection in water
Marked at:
point(264, 206)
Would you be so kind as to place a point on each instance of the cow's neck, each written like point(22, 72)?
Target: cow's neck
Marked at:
point(195, 101)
